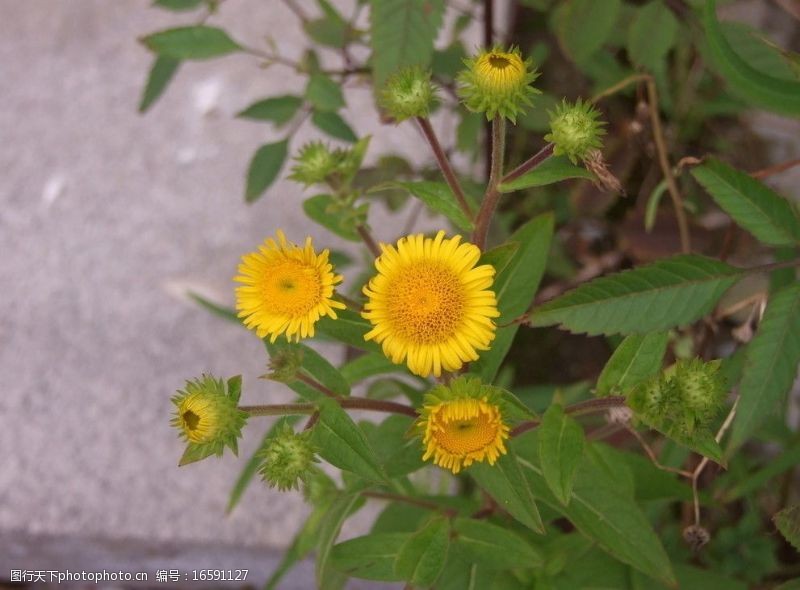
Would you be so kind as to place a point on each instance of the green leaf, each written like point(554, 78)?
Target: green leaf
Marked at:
point(194, 453)
point(402, 34)
point(751, 204)
point(370, 557)
point(437, 196)
point(334, 216)
point(760, 53)
point(637, 358)
point(505, 482)
point(368, 365)
point(349, 328)
point(315, 365)
point(515, 287)
point(264, 168)
point(600, 512)
point(178, 5)
point(194, 42)
point(770, 364)
point(560, 451)
point(161, 73)
point(276, 109)
point(788, 523)
point(332, 124)
point(341, 507)
point(323, 93)
point(758, 480)
point(251, 467)
point(422, 556)
point(671, 292)
point(399, 453)
point(499, 256)
point(774, 94)
point(328, 32)
point(493, 546)
point(651, 35)
point(343, 444)
point(218, 310)
point(553, 169)
point(583, 26)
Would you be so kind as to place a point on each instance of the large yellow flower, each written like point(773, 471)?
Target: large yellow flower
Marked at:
point(430, 305)
point(462, 423)
point(286, 289)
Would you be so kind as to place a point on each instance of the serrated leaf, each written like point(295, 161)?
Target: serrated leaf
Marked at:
point(276, 109)
point(671, 292)
point(600, 512)
point(637, 358)
point(699, 441)
point(343, 444)
point(402, 33)
point(770, 364)
point(437, 196)
point(333, 216)
point(193, 42)
point(161, 73)
point(499, 256)
point(583, 26)
point(553, 169)
point(505, 482)
point(264, 169)
point(494, 546)
point(774, 94)
point(515, 288)
point(334, 125)
point(348, 328)
point(651, 34)
point(751, 204)
point(788, 523)
point(422, 556)
point(561, 443)
point(370, 557)
point(323, 93)
point(341, 507)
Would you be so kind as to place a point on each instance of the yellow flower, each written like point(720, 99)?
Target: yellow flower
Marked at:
point(497, 82)
point(286, 289)
point(429, 305)
point(462, 423)
point(197, 417)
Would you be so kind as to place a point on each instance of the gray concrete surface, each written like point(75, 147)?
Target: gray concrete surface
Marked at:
point(106, 219)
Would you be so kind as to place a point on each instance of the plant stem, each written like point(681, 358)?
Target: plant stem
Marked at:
point(666, 169)
point(317, 385)
point(584, 407)
point(772, 266)
point(492, 196)
point(776, 169)
point(444, 165)
point(348, 403)
point(619, 86)
point(412, 501)
point(279, 409)
point(368, 240)
point(530, 163)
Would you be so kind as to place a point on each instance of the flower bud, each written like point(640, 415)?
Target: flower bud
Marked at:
point(314, 163)
point(287, 458)
point(207, 416)
point(575, 130)
point(408, 93)
point(497, 82)
point(284, 364)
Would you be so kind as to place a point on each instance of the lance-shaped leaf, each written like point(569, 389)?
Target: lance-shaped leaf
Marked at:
point(194, 42)
point(370, 557)
point(553, 169)
point(276, 109)
point(770, 363)
point(751, 204)
point(437, 196)
point(341, 507)
point(264, 168)
point(671, 292)
point(774, 94)
point(422, 556)
point(348, 328)
point(637, 358)
point(561, 443)
point(494, 546)
point(158, 79)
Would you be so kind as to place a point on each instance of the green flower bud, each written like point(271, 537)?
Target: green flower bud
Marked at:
point(702, 391)
point(314, 163)
point(497, 82)
point(575, 130)
point(287, 458)
point(408, 93)
point(284, 364)
point(207, 416)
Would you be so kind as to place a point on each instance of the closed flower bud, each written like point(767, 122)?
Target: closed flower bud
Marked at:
point(408, 93)
point(287, 459)
point(284, 365)
point(207, 416)
point(498, 83)
point(314, 163)
point(575, 130)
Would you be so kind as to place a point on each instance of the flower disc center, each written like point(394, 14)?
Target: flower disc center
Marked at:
point(292, 288)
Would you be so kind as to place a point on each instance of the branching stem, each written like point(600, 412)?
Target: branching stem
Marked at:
point(492, 195)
